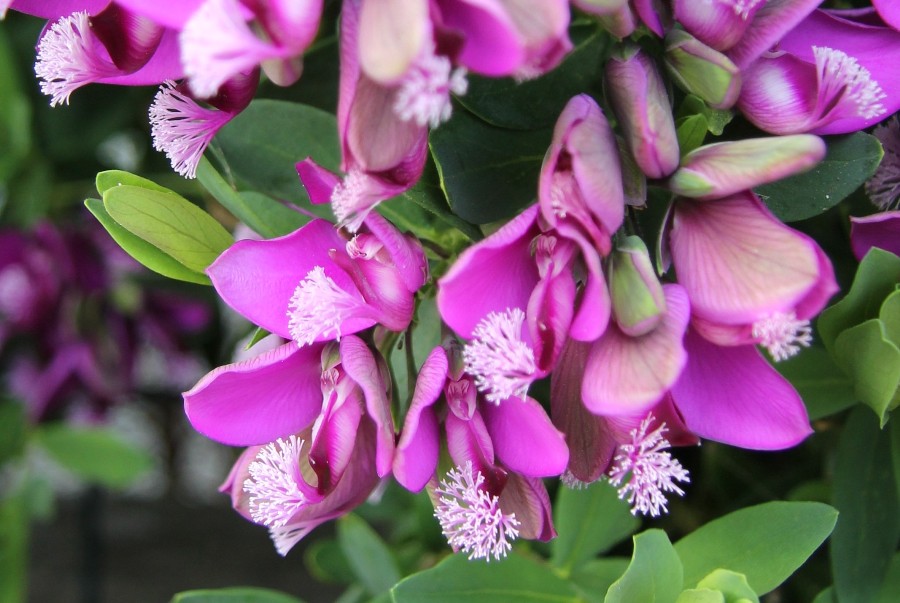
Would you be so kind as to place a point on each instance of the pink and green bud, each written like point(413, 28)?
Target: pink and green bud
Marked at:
point(718, 23)
point(722, 169)
point(701, 70)
point(638, 301)
point(639, 100)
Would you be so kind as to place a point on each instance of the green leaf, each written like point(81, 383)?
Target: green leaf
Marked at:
point(15, 113)
point(849, 162)
point(95, 454)
point(700, 595)
point(593, 578)
point(514, 578)
point(142, 251)
point(113, 178)
point(264, 215)
point(488, 173)
point(691, 131)
point(170, 223)
point(14, 526)
point(716, 119)
point(865, 494)
point(891, 585)
point(537, 103)
point(890, 317)
point(766, 542)
point(13, 429)
point(368, 555)
point(876, 278)
point(326, 562)
point(873, 363)
point(655, 574)
point(265, 141)
point(733, 585)
point(589, 522)
point(824, 387)
point(894, 427)
point(235, 594)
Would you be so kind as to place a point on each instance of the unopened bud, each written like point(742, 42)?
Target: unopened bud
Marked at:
point(718, 170)
point(701, 70)
point(638, 301)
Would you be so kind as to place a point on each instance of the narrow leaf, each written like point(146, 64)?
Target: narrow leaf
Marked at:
point(237, 594)
point(368, 555)
point(766, 542)
point(112, 178)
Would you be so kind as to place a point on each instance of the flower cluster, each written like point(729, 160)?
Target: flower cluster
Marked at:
point(642, 354)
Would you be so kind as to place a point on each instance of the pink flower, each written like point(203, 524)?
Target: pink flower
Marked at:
point(878, 230)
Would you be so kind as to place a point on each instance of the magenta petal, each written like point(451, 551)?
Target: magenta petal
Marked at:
point(171, 14)
point(469, 440)
point(416, 456)
point(737, 261)
point(491, 44)
point(527, 497)
point(407, 255)
point(629, 375)
point(879, 230)
point(259, 400)
point(165, 64)
point(334, 439)
point(889, 11)
point(490, 276)
point(54, 9)
point(359, 362)
point(524, 438)
point(595, 307)
point(770, 24)
point(591, 444)
point(318, 181)
point(258, 278)
point(732, 395)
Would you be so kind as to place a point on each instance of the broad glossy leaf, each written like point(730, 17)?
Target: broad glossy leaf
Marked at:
point(874, 364)
point(700, 595)
point(514, 578)
point(824, 387)
point(265, 141)
point(589, 522)
point(488, 173)
point(850, 161)
point(153, 258)
point(236, 594)
point(537, 103)
point(368, 555)
point(655, 573)
point(732, 584)
point(766, 542)
point(866, 536)
point(95, 454)
point(170, 223)
point(593, 578)
point(877, 277)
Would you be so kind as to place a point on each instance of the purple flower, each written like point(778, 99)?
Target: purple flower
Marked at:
point(113, 46)
point(878, 230)
point(719, 24)
point(830, 75)
point(750, 278)
point(883, 187)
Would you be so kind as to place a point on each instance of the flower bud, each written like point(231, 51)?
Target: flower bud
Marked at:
point(718, 170)
point(638, 301)
point(718, 24)
point(638, 96)
point(702, 71)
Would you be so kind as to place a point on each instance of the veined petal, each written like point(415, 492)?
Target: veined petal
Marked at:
point(629, 375)
point(719, 23)
point(259, 278)
point(54, 9)
point(334, 435)
point(491, 44)
point(392, 34)
point(590, 440)
point(772, 21)
point(319, 182)
point(878, 230)
point(259, 400)
point(524, 438)
point(737, 261)
point(172, 14)
point(494, 274)
point(527, 497)
point(469, 440)
point(416, 456)
point(732, 395)
point(407, 254)
point(359, 362)
point(779, 94)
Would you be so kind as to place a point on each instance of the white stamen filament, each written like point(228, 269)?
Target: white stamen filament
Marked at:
point(318, 307)
point(651, 472)
point(274, 494)
point(424, 92)
point(501, 363)
point(782, 334)
point(842, 77)
point(69, 56)
point(182, 129)
point(350, 202)
point(471, 518)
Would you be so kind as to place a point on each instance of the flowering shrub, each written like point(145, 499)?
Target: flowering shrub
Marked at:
point(538, 248)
